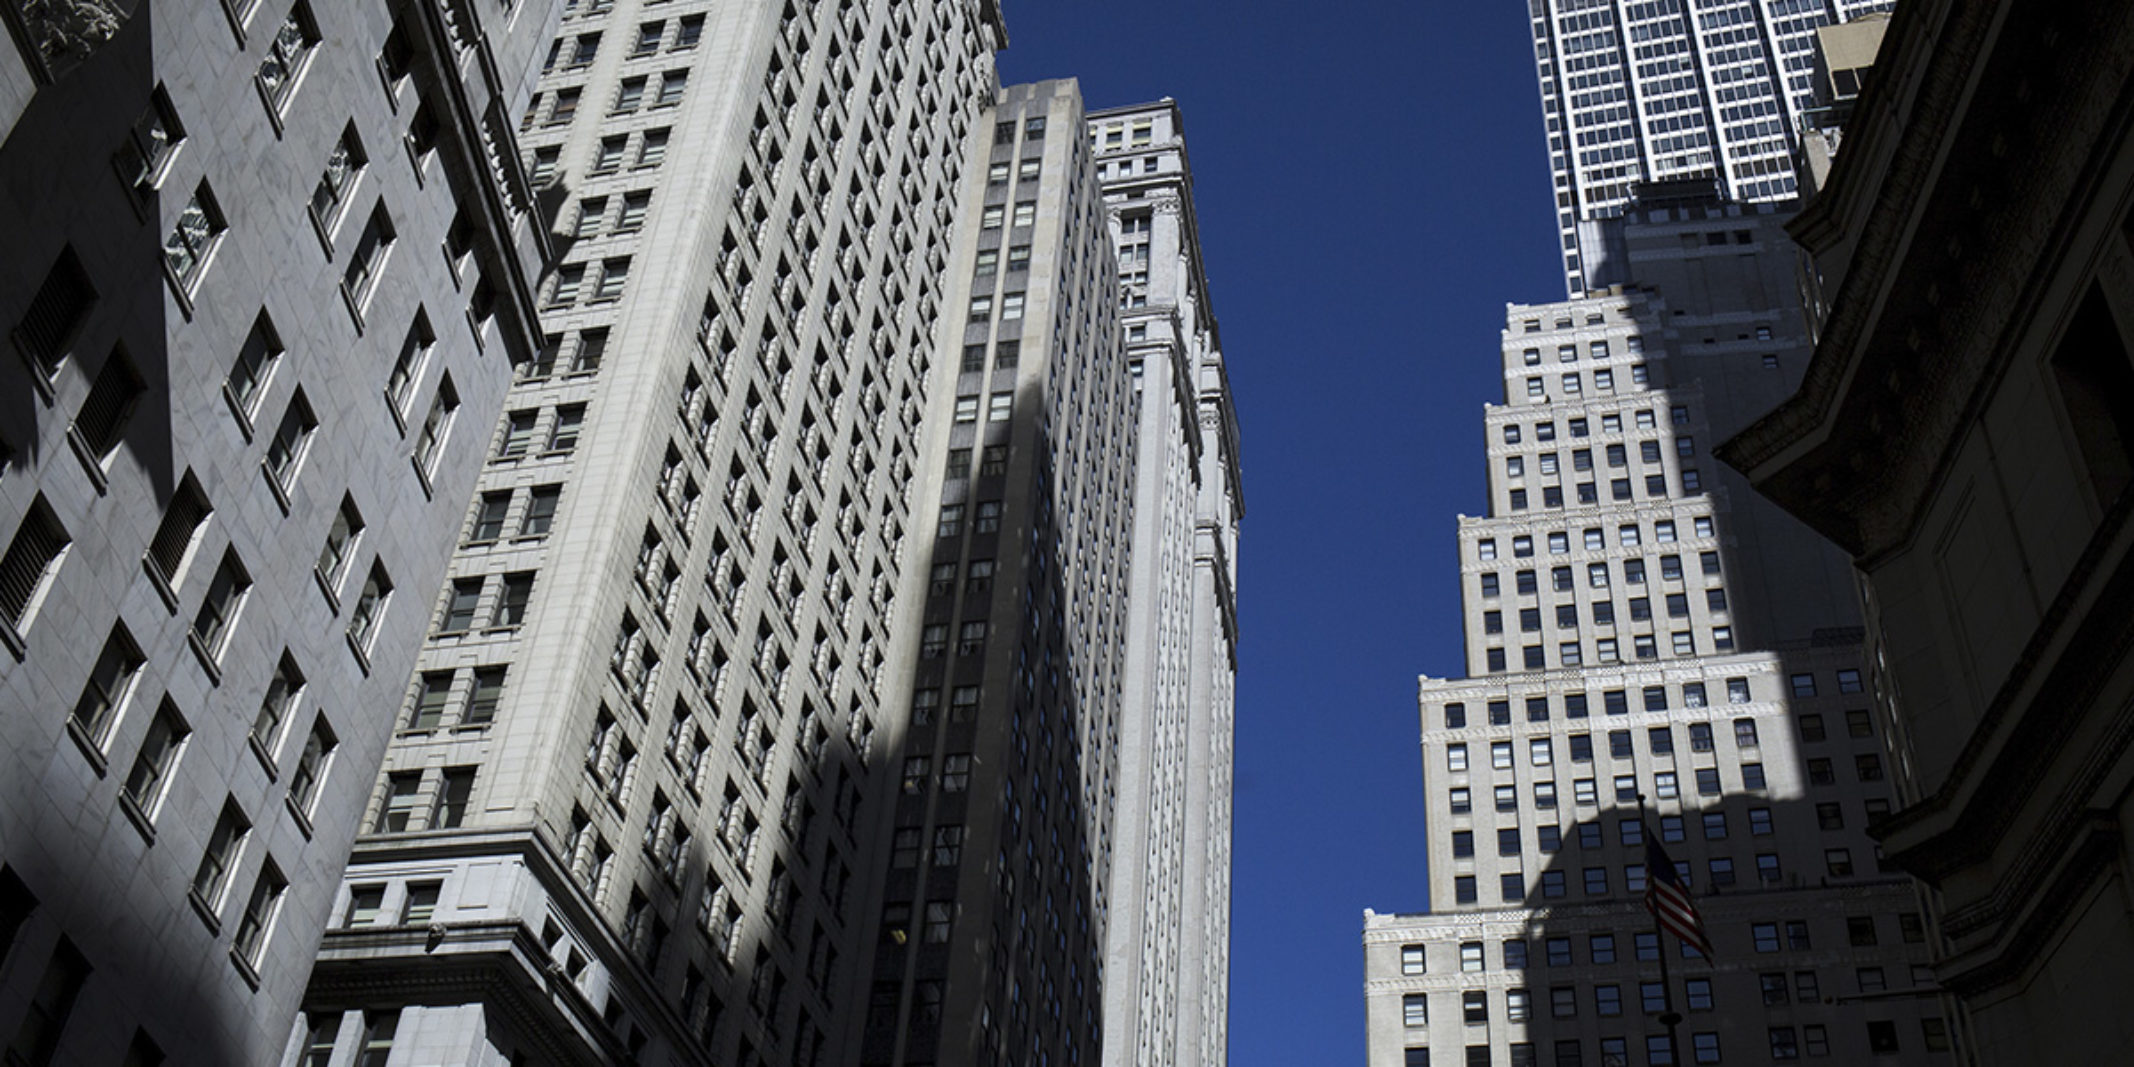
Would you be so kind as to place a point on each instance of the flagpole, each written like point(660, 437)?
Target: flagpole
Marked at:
point(1668, 1016)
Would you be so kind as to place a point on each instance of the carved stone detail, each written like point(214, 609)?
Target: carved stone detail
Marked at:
point(67, 31)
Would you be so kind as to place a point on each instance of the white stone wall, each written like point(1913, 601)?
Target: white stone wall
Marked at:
point(1167, 961)
point(756, 417)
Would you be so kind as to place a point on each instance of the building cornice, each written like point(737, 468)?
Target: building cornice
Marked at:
point(1944, 277)
point(495, 961)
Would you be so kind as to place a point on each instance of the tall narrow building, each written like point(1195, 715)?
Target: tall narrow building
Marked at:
point(269, 264)
point(1649, 90)
point(628, 811)
point(1612, 694)
point(994, 912)
point(1167, 954)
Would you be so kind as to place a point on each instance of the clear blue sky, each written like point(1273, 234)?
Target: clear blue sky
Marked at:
point(1372, 189)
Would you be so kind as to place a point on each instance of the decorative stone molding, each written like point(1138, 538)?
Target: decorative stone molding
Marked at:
point(65, 32)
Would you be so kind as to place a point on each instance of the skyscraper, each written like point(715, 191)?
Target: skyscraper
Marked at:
point(1167, 954)
point(993, 914)
point(1619, 586)
point(1085, 676)
point(636, 784)
point(269, 263)
point(1607, 605)
point(1649, 90)
point(744, 541)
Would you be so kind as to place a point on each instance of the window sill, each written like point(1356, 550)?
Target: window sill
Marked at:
point(355, 307)
point(206, 657)
point(400, 421)
point(161, 584)
point(274, 486)
point(237, 409)
point(245, 969)
point(303, 821)
point(98, 762)
point(206, 912)
point(138, 818)
point(362, 657)
point(237, 22)
point(324, 228)
point(422, 478)
point(479, 326)
point(385, 79)
point(453, 267)
point(266, 758)
point(178, 285)
point(333, 599)
point(417, 158)
point(266, 100)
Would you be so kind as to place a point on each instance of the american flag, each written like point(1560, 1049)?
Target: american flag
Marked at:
point(1667, 898)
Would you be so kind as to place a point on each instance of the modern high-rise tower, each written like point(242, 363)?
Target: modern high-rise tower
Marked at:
point(1652, 649)
point(1648, 90)
point(269, 263)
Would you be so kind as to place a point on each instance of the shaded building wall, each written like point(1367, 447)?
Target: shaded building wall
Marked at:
point(229, 224)
point(994, 913)
point(1963, 432)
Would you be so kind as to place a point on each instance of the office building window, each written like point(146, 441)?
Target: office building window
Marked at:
point(1412, 959)
point(193, 239)
point(286, 55)
point(430, 441)
point(343, 165)
point(220, 857)
point(105, 692)
point(310, 768)
point(149, 780)
point(290, 442)
point(280, 700)
point(369, 608)
point(36, 1042)
point(261, 351)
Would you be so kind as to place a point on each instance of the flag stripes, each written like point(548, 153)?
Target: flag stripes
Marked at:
point(1667, 898)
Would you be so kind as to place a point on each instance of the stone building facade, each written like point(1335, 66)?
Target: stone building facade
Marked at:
point(1611, 694)
point(995, 907)
point(269, 266)
point(1965, 434)
point(1167, 957)
point(636, 789)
